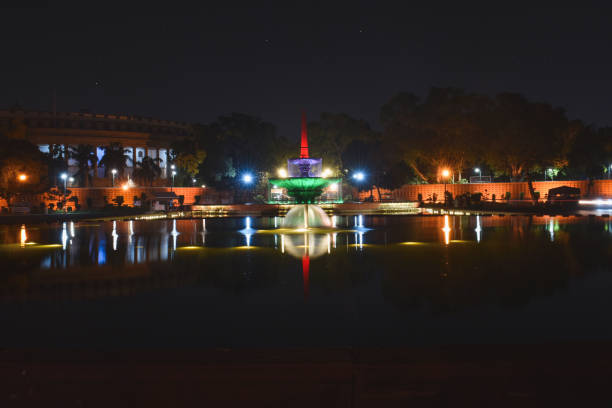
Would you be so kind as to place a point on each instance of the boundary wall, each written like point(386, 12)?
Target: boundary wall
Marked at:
point(410, 192)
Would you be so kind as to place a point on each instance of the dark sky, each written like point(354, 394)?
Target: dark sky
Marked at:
point(273, 59)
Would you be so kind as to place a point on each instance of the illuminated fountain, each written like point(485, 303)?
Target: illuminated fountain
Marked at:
point(304, 183)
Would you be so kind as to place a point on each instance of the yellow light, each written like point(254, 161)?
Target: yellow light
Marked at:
point(23, 177)
point(23, 235)
point(445, 173)
point(333, 187)
point(327, 173)
point(446, 230)
point(125, 186)
point(282, 173)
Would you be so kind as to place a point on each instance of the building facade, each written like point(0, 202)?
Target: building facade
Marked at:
point(55, 132)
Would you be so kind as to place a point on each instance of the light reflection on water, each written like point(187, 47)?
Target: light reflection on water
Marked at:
point(373, 271)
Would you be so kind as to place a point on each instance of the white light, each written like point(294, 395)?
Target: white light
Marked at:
point(174, 173)
point(598, 201)
point(359, 176)
point(282, 173)
point(477, 170)
point(194, 180)
point(333, 187)
point(114, 171)
point(172, 167)
point(203, 185)
point(247, 178)
point(64, 176)
point(327, 173)
point(71, 179)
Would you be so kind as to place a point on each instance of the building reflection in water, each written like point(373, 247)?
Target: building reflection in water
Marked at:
point(203, 231)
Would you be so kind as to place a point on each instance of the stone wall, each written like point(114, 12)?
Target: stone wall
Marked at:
point(102, 195)
point(410, 192)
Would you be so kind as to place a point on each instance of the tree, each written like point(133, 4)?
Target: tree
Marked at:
point(240, 143)
point(527, 137)
point(22, 169)
point(147, 170)
point(330, 136)
point(441, 132)
point(85, 156)
point(115, 157)
point(187, 156)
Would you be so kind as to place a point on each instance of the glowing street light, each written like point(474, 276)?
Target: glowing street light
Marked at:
point(477, 170)
point(550, 172)
point(114, 172)
point(247, 178)
point(22, 177)
point(282, 172)
point(445, 174)
point(359, 176)
point(173, 174)
point(327, 173)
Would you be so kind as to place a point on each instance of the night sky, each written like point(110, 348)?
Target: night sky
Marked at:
point(275, 59)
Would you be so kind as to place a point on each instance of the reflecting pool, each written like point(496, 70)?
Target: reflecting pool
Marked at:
point(248, 282)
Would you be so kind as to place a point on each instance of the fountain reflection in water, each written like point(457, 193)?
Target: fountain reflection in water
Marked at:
point(316, 217)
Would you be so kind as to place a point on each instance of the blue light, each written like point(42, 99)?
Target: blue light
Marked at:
point(359, 176)
point(247, 178)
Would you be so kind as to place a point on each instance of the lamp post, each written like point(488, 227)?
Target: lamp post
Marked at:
point(477, 170)
point(114, 171)
point(173, 174)
point(445, 174)
point(550, 173)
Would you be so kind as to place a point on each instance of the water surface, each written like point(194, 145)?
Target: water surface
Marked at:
point(374, 281)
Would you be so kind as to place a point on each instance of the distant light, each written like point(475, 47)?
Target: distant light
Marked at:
point(477, 170)
point(174, 173)
point(282, 172)
point(70, 179)
point(445, 173)
point(247, 178)
point(172, 166)
point(203, 185)
point(327, 172)
point(22, 177)
point(359, 176)
point(598, 201)
point(333, 187)
point(125, 186)
point(63, 176)
point(194, 180)
point(114, 171)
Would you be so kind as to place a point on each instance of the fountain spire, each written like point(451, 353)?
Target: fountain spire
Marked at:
point(304, 139)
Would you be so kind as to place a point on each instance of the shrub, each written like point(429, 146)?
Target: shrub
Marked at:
point(118, 200)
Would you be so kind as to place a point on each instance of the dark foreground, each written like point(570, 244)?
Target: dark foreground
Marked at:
point(576, 374)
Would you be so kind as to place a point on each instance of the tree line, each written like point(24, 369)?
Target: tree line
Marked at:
point(505, 136)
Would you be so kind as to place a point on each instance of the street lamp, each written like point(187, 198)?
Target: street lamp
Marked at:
point(193, 181)
point(359, 176)
point(114, 171)
point(173, 174)
point(477, 170)
point(22, 177)
point(282, 172)
point(247, 178)
point(445, 174)
point(550, 173)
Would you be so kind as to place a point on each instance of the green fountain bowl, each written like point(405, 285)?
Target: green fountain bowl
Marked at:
point(304, 189)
